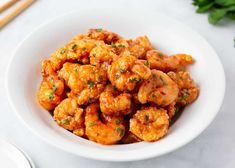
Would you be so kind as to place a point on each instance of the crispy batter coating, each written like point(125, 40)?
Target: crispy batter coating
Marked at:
point(70, 116)
point(188, 89)
point(109, 132)
point(160, 61)
point(50, 92)
point(108, 89)
point(159, 89)
point(112, 102)
point(126, 72)
point(150, 124)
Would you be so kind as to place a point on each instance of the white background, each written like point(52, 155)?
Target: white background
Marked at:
point(214, 148)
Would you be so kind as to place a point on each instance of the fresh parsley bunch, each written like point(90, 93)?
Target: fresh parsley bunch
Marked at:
point(217, 9)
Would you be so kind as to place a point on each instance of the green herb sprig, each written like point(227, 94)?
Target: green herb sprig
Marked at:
point(218, 9)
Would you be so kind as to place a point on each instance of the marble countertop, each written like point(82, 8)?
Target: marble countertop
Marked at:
point(214, 148)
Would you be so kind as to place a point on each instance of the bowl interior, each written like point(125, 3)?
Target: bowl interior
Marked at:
point(168, 35)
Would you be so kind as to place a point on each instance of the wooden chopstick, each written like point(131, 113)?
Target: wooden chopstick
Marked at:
point(22, 6)
point(7, 5)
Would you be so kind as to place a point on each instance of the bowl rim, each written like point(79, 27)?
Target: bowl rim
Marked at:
point(100, 157)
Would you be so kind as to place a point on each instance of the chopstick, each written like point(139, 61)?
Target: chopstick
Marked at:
point(7, 5)
point(22, 6)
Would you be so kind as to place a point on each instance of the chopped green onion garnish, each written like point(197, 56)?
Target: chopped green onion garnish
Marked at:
point(91, 124)
point(65, 121)
point(120, 131)
point(121, 70)
point(74, 46)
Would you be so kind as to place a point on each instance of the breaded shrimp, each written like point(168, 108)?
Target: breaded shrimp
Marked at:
point(67, 69)
point(159, 89)
point(50, 92)
point(126, 72)
point(87, 83)
point(108, 132)
point(139, 46)
point(158, 60)
point(54, 63)
point(150, 123)
point(112, 102)
point(188, 89)
point(102, 56)
point(104, 35)
point(70, 116)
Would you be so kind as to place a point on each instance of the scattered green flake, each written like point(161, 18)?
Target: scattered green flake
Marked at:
point(90, 84)
point(65, 121)
point(113, 45)
point(121, 46)
point(185, 96)
point(120, 131)
point(74, 46)
point(134, 79)
point(100, 78)
point(147, 63)
point(54, 88)
point(62, 51)
point(163, 81)
point(91, 124)
point(117, 76)
point(51, 96)
point(121, 70)
point(83, 48)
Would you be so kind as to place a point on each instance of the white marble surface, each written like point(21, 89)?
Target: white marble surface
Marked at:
point(214, 148)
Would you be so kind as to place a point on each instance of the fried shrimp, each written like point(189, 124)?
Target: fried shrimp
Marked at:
point(158, 60)
point(104, 35)
point(109, 132)
point(188, 89)
point(67, 69)
point(70, 116)
point(50, 92)
point(126, 72)
point(87, 83)
point(78, 50)
point(139, 46)
point(112, 102)
point(102, 56)
point(150, 123)
point(159, 89)
point(108, 89)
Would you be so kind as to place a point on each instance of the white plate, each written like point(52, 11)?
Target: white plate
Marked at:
point(11, 157)
point(168, 35)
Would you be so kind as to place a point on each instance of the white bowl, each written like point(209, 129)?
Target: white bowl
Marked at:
point(170, 36)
